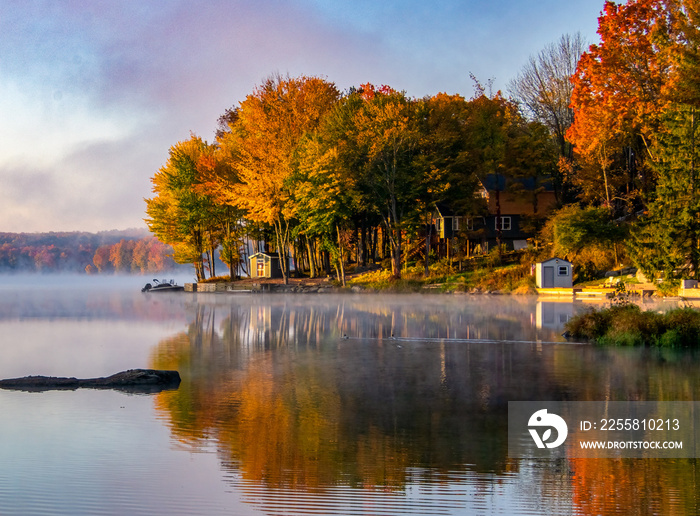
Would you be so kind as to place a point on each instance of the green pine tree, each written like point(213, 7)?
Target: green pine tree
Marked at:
point(668, 239)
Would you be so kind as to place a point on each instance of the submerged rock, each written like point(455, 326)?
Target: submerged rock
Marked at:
point(133, 380)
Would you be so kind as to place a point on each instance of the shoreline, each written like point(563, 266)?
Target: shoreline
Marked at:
point(324, 286)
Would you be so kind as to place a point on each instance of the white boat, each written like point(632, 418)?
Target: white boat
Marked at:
point(162, 286)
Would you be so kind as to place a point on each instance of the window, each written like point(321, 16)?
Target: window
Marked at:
point(505, 223)
point(455, 224)
point(469, 224)
point(563, 270)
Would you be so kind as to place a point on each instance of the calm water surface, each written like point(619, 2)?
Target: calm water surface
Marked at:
point(307, 405)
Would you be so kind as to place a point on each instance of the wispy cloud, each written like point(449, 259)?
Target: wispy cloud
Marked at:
point(92, 94)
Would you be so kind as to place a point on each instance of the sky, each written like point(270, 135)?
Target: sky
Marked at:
point(93, 93)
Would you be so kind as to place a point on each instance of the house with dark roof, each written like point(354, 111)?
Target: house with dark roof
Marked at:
point(510, 202)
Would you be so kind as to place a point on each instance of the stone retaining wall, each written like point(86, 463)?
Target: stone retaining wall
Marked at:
point(257, 287)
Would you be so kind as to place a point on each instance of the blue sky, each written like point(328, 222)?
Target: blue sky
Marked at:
point(93, 93)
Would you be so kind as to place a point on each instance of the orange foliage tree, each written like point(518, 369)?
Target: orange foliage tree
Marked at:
point(618, 96)
point(262, 145)
point(181, 214)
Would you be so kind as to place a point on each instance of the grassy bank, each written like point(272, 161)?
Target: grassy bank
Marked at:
point(628, 325)
point(476, 275)
point(445, 277)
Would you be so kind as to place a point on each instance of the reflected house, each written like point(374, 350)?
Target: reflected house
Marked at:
point(554, 273)
point(263, 265)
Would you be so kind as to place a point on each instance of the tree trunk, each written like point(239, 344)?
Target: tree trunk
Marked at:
point(396, 255)
point(281, 251)
point(199, 261)
point(428, 235)
point(212, 263)
point(341, 254)
point(312, 265)
point(327, 262)
point(363, 245)
point(374, 238)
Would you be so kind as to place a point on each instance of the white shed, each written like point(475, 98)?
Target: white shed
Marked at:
point(554, 273)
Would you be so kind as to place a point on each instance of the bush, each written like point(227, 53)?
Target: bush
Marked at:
point(590, 325)
point(671, 339)
point(525, 286)
point(668, 287)
point(622, 339)
point(627, 325)
point(686, 323)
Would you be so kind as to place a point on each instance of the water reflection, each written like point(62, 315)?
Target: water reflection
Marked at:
point(298, 413)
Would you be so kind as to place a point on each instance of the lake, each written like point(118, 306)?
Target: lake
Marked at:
point(313, 404)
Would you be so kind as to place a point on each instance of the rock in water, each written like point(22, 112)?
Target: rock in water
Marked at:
point(133, 380)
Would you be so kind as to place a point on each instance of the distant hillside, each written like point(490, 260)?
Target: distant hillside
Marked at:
point(72, 237)
point(130, 251)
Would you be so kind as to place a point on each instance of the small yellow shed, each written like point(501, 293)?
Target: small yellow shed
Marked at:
point(263, 265)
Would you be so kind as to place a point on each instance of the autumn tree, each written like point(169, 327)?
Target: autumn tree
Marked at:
point(150, 255)
point(378, 142)
point(218, 179)
point(443, 161)
point(636, 97)
point(668, 238)
point(618, 97)
point(507, 151)
point(101, 259)
point(264, 137)
point(180, 214)
point(325, 198)
point(121, 255)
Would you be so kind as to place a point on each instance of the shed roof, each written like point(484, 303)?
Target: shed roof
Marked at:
point(260, 254)
point(556, 259)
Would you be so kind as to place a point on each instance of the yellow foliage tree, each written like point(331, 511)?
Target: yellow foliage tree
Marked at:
point(263, 142)
point(180, 214)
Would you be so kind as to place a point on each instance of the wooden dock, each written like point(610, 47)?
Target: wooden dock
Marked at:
point(589, 293)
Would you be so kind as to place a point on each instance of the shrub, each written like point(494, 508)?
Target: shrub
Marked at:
point(671, 339)
point(627, 325)
point(624, 338)
point(686, 322)
point(525, 286)
point(591, 324)
point(668, 287)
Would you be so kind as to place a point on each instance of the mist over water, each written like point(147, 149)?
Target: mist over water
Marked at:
point(297, 404)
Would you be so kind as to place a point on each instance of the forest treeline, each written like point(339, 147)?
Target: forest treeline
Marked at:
point(324, 177)
point(79, 252)
point(328, 176)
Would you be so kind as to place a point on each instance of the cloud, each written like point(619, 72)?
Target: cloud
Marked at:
point(92, 94)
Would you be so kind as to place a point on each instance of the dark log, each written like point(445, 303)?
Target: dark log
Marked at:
point(134, 380)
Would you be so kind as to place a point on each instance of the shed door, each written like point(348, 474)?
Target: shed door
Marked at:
point(261, 268)
point(548, 277)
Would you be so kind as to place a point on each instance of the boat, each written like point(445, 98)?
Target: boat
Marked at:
point(162, 286)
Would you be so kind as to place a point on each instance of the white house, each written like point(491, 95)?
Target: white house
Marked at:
point(554, 273)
